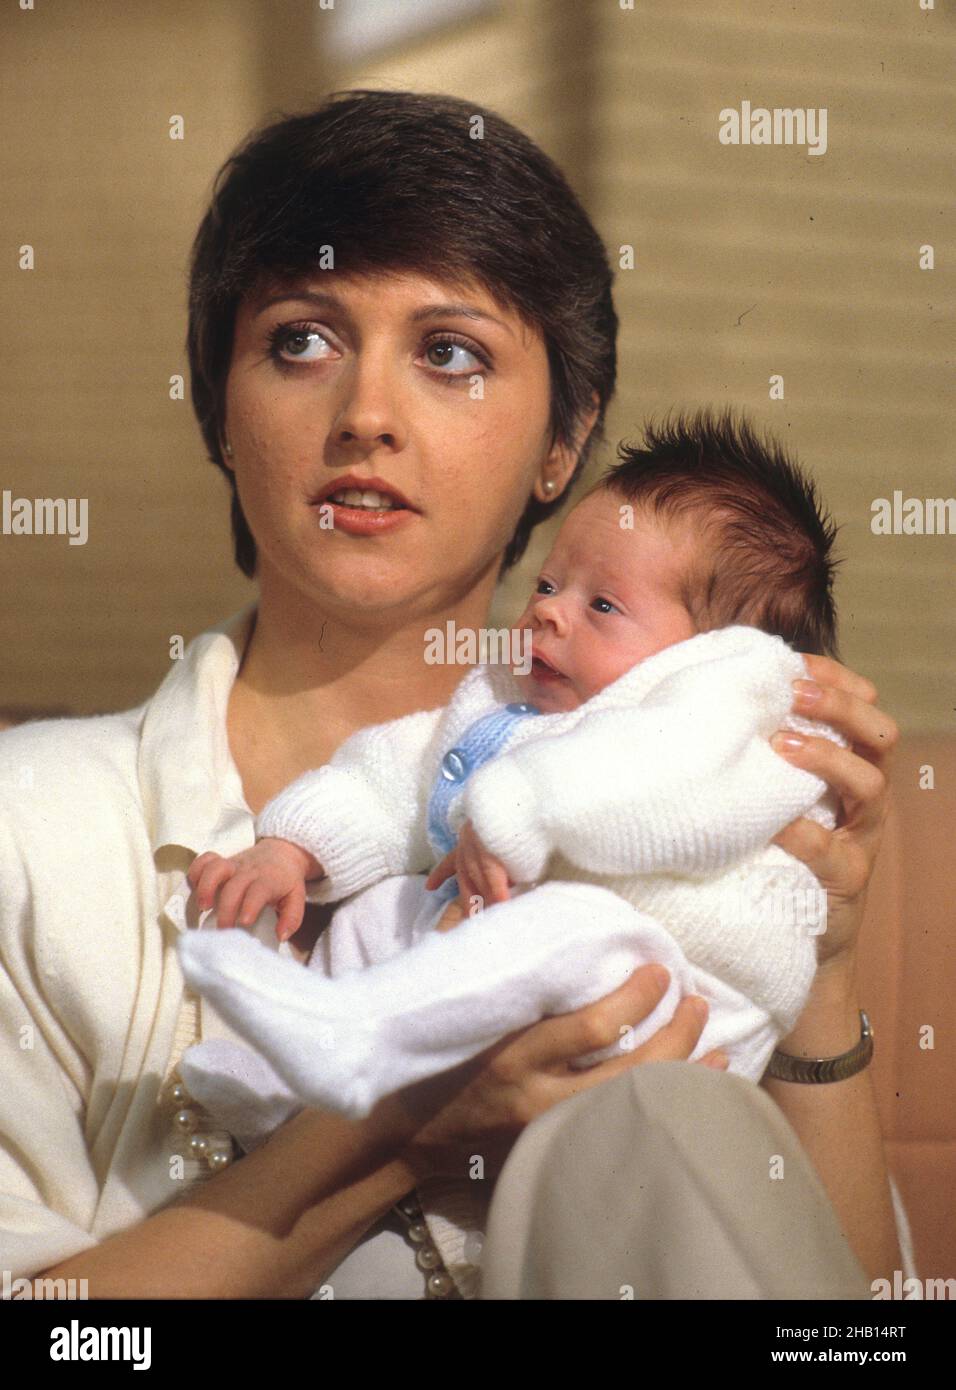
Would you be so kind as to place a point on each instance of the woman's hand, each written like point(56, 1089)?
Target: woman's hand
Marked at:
point(479, 1108)
point(842, 859)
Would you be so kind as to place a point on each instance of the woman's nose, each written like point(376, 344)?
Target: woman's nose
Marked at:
point(369, 412)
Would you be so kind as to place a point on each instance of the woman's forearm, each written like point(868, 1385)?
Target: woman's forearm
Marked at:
point(838, 1123)
point(273, 1225)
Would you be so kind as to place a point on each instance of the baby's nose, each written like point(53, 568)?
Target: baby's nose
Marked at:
point(552, 609)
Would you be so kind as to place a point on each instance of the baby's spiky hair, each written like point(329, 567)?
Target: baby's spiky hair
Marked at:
point(766, 539)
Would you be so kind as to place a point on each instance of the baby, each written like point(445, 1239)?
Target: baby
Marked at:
point(630, 768)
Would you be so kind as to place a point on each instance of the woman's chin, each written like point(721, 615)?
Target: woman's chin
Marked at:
point(350, 584)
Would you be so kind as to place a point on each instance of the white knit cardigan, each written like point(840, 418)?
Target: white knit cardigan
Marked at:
point(99, 820)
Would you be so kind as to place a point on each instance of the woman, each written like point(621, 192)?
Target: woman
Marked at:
point(397, 295)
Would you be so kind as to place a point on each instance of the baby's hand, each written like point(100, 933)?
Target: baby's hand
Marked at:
point(478, 872)
point(273, 872)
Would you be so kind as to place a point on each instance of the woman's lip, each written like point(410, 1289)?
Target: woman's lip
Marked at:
point(363, 521)
point(350, 483)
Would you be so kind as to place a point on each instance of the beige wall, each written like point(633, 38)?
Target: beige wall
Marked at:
point(750, 261)
point(92, 336)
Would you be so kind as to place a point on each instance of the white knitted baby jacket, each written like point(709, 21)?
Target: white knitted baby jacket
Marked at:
point(662, 787)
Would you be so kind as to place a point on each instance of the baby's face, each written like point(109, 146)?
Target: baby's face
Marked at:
point(606, 598)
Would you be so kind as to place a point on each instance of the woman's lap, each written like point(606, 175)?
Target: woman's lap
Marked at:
point(671, 1181)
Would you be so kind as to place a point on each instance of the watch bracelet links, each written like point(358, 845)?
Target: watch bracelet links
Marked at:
point(817, 1070)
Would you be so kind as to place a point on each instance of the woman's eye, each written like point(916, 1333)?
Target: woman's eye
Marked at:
point(293, 340)
point(462, 358)
point(604, 605)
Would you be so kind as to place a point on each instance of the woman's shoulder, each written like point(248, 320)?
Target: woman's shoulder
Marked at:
point(63, 780)
point(78, 748)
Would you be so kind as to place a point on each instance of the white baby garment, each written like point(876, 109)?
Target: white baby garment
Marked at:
point(650, 809)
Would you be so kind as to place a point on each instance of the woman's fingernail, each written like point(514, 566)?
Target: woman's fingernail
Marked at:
point(787, 742)
point(660, 975)
point(700, 1008)
point(808, 691)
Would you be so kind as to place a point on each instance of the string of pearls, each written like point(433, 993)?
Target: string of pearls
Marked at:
point(438, 1282)
point(215, 1148)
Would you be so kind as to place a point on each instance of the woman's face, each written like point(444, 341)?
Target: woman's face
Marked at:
point(431, 394)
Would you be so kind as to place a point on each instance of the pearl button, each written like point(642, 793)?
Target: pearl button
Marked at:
point(521, 709)
point(186, 1121)
point(454, 765)
point(199, 1145)
point(439, 1285)
point(218, 1160)
point(179, 1094)
point(417, 1232)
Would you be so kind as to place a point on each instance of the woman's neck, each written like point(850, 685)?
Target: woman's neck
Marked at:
point(308, 680)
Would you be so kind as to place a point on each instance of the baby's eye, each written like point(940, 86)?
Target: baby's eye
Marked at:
point(604, 605)
point(544, 586)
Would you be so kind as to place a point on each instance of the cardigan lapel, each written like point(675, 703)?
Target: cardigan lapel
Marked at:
point(190, 786)
point(188, 780)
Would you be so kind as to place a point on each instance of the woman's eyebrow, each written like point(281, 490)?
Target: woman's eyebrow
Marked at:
point(319, 299)
point(465, 311)
point(325, 300)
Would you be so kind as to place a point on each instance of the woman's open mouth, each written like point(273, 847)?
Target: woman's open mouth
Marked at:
point(369, 500)
point(362, 508)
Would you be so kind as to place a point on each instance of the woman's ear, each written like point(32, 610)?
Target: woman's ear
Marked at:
point(563, 457)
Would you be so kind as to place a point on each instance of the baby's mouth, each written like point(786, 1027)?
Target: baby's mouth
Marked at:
point(543, 670)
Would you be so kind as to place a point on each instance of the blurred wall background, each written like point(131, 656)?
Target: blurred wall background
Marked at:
point(749, 262)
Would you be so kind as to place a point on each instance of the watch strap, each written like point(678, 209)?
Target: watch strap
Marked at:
point(820, 1070)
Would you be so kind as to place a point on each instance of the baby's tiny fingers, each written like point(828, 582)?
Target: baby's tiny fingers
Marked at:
point(468, 889)
point(498, 883)
point(441, 871)
point(291, 912)
point(212, 879)
point(477, 889)
point(199, 864)
point(230, 899)
point(255, 898)
point(452, 915)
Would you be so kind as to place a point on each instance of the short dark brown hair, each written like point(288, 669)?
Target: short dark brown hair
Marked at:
point(398, 181)
point(766, 541)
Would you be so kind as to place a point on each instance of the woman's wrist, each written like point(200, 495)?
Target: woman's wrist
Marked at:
point(830, 1022)
point(363, 1177)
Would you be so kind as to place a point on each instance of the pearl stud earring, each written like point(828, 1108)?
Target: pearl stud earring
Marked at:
point(549, 486)
point(227, 450)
